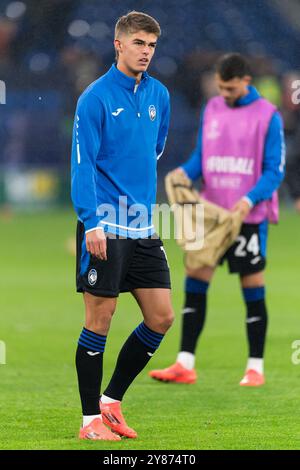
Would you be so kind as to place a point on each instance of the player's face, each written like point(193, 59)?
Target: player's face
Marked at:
point(233, 89)
point(135, 52)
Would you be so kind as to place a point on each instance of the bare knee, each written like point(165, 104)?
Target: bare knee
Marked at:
point(203, 274)
point(98, 313)
point(99, 322)
point(253, 280)
point(162, 321)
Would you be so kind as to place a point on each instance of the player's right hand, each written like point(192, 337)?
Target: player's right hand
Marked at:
point(96, 243)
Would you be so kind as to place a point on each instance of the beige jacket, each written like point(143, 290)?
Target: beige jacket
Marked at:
point(204, 230)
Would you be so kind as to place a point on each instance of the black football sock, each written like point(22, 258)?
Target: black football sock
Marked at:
point(193, 313)
point(257, 319)
point(134, 356)
point(89, 365)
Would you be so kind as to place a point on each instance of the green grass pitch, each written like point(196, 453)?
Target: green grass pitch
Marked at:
point(41, 318)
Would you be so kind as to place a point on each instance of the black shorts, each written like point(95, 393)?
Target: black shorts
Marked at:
point(248, 254)
point(131, 264)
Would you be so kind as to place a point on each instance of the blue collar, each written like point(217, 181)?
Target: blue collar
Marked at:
point(251, 96)
point(124, 80)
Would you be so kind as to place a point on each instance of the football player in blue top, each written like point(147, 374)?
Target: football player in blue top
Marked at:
point(120, 129)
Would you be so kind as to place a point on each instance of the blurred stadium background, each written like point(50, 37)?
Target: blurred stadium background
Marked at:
point(50, 50)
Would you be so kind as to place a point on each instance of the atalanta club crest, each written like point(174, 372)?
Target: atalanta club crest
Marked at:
point(152, 112)
point(92, 277)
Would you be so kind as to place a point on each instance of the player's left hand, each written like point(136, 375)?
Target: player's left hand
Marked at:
point(243, 207)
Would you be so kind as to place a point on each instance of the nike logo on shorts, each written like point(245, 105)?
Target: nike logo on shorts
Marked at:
point(255, 260)
point(91, 353)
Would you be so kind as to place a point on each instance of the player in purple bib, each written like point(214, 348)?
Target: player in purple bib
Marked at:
point(240, 155)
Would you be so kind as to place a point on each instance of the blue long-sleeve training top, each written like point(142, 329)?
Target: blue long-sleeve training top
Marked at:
point(120, 130)
point(273, 161)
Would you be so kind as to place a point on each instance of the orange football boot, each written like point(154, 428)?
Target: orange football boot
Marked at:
point(112, 417)
point(176, 374)
point(252, 378)
point(96, 431)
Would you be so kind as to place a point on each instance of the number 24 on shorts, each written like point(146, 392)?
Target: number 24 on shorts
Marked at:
point(243, 247)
